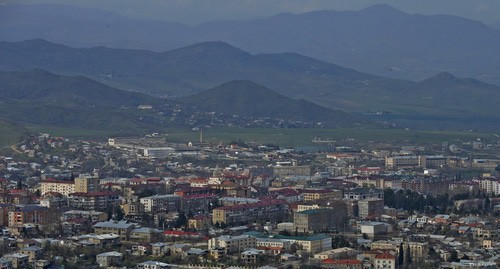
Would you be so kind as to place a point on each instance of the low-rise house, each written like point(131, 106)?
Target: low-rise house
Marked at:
point(342, 264)
point(384, 261)
point(233, 243)
point(143, 234)
point(251, 256)
point(93, 201)
point(18, 260)
point(338, 253)
point(101, 240)
point(93, 216)
point(152, 265)
point(5, 263)
point(179, 248)
point(159, 249)
point(34, 253)
point(109, 259)
point(121, 228)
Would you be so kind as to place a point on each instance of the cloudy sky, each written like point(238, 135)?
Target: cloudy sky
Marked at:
point(197, 11)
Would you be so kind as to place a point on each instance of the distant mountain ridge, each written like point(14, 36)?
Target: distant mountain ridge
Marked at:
point(379, 39)
point(191, 69)
point(188, 70)
point(248, 99)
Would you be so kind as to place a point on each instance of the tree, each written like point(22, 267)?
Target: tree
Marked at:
point(401, 255)
point(119, 213)
point(181, 220)
point(285, 232)
point(454, 256)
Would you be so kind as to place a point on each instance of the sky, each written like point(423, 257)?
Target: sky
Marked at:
point(197, 11)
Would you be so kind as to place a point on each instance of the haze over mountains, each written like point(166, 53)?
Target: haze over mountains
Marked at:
point(188, 70)
point(379, 40)
point(185, 71)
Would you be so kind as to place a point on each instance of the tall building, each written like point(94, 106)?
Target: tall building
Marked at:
point(232, 243)
point(370, 207)
point(321, 194)
point(36, 215)
point(86, 184)
point(156, 203)
point(272, 210)
point(319, 219)
point(59, 186)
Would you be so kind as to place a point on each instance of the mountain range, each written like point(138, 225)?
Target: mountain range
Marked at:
point(38, 97)
point(379, 40)
point(189, 70)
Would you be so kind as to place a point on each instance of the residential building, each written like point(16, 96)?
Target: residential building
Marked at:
point(373, 228)
point(18, 260)
point(86, 184)
point(5, 263)
point(338, 253)
point(31, 214)
point(93, 216)
point(59, 186)
point(320, 219)
point(232, 243)
point(99, 201)
point(321, 194)
point(364, 193)
point(34, 253)
point(152, 265)
point(384, 261)
point(199, 222)
point(121, 228)
point(370, 208)
point(109, 259)
point(312, 243)
point(270, 210)
point(4, 213)
point(341, 264)
point(156, 203)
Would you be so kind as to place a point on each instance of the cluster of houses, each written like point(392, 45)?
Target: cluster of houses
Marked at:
point(146, 205)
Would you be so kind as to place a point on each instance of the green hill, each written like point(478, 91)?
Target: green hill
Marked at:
point(248, 99)
point(11, 133)
point(40, 97)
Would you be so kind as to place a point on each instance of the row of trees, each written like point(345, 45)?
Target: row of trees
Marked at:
point(414, 201)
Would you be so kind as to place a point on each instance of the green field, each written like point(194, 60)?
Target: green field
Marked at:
point(304, 137)
point(283, 137)
point(11, 134)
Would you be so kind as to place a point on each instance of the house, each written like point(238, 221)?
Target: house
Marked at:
point(337, 253)
point(108, 259)
point(179, 248)
point(121, 228)
point(5, 263)
point(152, 265)
point(341, 264)
point(159, 249)
point(18, 260)
point(251, 256)
point(34, 253)
point(384, 261)
point(143, 234)
point(101, 240)
point(232, 243)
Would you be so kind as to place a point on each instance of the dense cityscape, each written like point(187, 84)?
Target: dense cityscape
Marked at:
point(146, 203)
point(249, 134)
